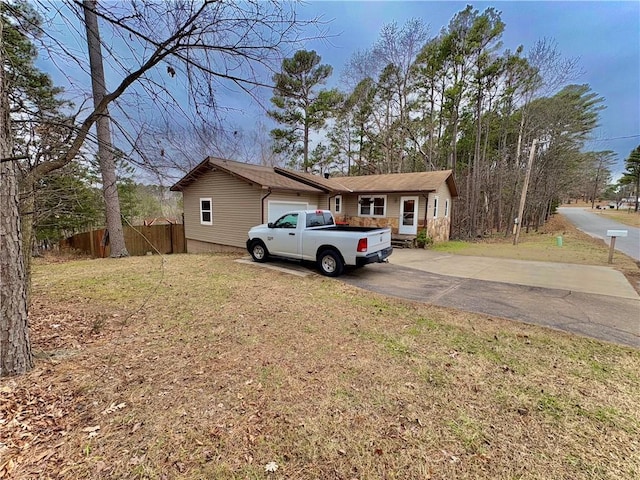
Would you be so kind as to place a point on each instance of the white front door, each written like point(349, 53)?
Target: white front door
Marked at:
point(408, 224)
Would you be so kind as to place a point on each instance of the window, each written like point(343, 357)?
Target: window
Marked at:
point(206, 211)
point(290, 220)
point(435, 207)
point(446, 208)
point(338, 204)
point(372, 206)
point(315, 219)
point(319, 219)
point(328, 219)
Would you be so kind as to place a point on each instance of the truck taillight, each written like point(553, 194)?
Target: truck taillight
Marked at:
point(362, 245)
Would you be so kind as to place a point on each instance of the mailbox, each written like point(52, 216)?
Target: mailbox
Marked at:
point(614, 234)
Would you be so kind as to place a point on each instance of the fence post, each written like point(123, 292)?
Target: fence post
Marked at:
point(171, 237)
point(184, 235)
point(93, 248)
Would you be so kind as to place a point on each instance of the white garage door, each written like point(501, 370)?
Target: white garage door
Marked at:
point(276, 209)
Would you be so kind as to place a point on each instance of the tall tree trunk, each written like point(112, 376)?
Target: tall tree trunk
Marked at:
point(15, 347)
point(453, 158)
point(27, 219)
point(305, 147)
point(443, 160)
point(105, 148)
point(475, 173)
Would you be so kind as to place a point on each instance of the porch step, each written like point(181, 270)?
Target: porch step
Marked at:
point(402, 243)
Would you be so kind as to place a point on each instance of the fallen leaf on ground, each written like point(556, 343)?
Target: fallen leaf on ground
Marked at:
point(113, 408)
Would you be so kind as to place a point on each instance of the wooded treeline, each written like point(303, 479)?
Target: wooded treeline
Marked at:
point(452, 101)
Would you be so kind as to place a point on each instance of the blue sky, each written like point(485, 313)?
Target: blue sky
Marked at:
point(604, 36)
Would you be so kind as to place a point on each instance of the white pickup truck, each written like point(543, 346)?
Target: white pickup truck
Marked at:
point(313, 235)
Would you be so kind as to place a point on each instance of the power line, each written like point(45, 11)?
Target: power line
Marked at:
point(615, 138)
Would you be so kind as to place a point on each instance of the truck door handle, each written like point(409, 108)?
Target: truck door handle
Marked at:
point(292, 234)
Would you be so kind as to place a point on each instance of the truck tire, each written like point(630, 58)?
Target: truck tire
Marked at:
point(258, 251)
point(330, 263)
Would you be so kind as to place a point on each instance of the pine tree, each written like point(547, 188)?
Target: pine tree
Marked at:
point(632, 173)
point(301, 107)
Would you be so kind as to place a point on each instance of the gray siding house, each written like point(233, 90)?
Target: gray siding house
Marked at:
point(406, 202)
point(223, 199)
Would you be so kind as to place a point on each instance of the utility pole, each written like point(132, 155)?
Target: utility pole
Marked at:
point(103, 128)
point(525, 187)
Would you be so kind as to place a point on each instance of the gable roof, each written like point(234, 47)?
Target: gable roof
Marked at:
point(401, 182)
point(382, 183)
point(266, 177)
point(283, 179)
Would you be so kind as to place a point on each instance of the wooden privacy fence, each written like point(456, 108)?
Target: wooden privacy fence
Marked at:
point(138, 240)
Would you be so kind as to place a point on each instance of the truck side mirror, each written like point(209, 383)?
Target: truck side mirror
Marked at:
point(270, 224)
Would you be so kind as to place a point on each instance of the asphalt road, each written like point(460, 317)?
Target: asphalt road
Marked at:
point(597, 226)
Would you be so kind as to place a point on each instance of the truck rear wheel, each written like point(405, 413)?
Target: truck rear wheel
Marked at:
point(330, 263)
point(258, 251)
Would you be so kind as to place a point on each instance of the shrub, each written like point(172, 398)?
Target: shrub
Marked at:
point(422, 239)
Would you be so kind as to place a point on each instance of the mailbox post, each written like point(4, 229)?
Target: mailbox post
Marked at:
point(614, 234)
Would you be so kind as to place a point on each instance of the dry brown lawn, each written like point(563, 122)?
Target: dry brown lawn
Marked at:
point(626, 216)
point(198, 367)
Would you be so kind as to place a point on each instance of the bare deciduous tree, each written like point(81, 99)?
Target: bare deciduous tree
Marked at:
point(106, 157)
point(209, 44)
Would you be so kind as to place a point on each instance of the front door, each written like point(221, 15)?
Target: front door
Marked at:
point(408, 216)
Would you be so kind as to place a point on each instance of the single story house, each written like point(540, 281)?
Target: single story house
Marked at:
point(223, 199)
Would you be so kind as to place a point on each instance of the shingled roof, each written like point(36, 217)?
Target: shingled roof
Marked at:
point(400, 182)
point(383, 183)
point(266, 177)
point(278, 178)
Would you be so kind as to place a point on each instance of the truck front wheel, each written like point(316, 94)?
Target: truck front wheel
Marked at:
point(258, 251)
point(330, 263)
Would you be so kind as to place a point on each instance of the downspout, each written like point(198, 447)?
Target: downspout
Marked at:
point(262, 206)
point(450, 217)
point(329, 200)
point(426, 210)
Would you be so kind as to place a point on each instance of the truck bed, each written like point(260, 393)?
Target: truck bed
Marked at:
point(347, 228)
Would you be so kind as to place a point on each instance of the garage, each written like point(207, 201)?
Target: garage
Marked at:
point(276, 208)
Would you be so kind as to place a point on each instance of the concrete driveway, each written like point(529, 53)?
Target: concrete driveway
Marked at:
point(597, 302)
